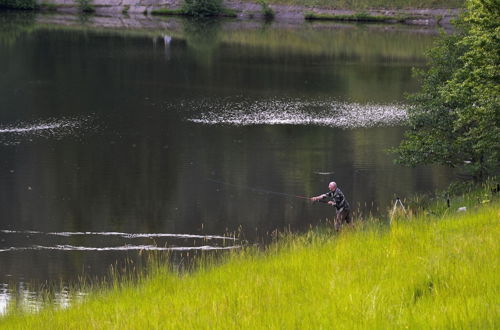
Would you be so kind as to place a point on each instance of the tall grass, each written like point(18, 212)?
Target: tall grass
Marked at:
point(423, 271)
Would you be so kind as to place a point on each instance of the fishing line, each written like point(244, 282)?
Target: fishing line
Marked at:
point(265, 191)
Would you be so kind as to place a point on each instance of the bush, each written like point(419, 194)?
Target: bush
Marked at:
point(18, 4)
point(48, 6)
point(267, 11)
point(168, 12)
point(85, 6)
point(203, 8)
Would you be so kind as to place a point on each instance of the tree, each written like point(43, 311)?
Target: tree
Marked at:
point(455, 117)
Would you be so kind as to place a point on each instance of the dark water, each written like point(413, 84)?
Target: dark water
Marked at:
point(107, 133)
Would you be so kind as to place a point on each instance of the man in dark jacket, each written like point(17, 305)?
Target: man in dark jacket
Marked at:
point(336, 198)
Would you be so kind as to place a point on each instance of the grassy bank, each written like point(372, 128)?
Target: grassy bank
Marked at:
point(435, 269)
point(372, 4)
point(225, 12)
point(358, 17)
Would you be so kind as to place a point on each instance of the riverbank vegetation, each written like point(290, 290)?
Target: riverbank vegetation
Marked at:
point(357, 17)
point(197, 8)
point(428, 267)
point(85, 6)
point(455, 117)
point(267, 12)
point(372, 4)
point(18, 4)
point(206, 8)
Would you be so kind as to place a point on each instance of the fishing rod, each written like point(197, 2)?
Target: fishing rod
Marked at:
point(258, 189)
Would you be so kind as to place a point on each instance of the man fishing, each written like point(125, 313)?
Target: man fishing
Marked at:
point(336, 198)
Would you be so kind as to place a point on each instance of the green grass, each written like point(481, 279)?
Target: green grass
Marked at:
point(85, 6)
point(421, 271)
point(371, 4)
point(226, 12)
point(48, 6)
point(358, 17)
point(168, 12)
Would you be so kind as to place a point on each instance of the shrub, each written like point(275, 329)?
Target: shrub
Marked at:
point(168, 12)
point(267, 11)
point(18, 4)
point(203, 8)
point(48, 6)
point(85, 6)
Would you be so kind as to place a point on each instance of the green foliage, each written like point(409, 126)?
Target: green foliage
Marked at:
point(48, 6)
point(85, 6)
point(18, 4)
point(372, 4)
point(267, 11)
point(357, 17)
point(455, 118)
point(203, 8)
point(13, 28)
point(168, 12)
point(419, 272)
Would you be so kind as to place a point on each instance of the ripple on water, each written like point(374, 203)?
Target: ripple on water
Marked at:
point(119, 248)
point(54, 128)
point(124, 247)
point(297, 112)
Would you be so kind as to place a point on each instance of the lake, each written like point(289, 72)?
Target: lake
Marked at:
point(186, 136)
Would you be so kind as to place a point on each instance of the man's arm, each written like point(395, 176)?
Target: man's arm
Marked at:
point(317, 198)
point(320, 197)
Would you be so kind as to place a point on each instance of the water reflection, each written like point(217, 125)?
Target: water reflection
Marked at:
point(143, 167)
point(22, 297)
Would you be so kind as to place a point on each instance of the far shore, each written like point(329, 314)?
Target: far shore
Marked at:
point(252, 11)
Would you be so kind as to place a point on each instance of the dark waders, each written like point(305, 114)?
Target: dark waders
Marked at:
point(342, 217)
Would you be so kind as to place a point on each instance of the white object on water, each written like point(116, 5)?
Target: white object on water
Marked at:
point(462, 209)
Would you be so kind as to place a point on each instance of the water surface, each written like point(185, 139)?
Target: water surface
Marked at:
point(114, 142)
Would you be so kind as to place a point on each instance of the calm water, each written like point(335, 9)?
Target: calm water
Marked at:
point(110, 133)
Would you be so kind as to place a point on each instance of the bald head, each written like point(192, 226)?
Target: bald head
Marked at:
point(332, 186)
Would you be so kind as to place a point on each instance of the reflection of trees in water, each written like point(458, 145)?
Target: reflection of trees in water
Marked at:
point(13, 25)
point(203, 36)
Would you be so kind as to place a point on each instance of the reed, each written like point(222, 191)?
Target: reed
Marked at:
point(428, 268)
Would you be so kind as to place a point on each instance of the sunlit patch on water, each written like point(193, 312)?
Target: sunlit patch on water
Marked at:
point(297, 112)
point(59, 128)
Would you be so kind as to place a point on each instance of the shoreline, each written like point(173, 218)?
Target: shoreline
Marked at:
point(252, 11)
point(394, 267)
